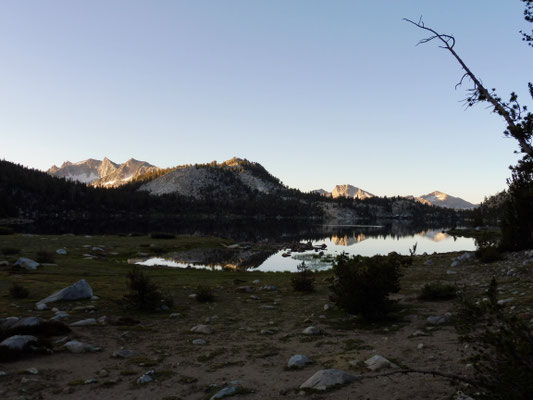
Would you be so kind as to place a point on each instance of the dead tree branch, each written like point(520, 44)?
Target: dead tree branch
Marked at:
point(511, 112)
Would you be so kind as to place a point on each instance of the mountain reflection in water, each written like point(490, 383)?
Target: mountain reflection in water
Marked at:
point(354, 240)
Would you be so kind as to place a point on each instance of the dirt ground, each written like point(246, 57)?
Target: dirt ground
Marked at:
point(255, 334)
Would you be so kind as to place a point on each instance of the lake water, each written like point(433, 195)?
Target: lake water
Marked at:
point(354, 240)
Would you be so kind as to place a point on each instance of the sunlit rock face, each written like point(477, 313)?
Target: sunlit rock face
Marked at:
point(440, 199)
point(226, 179)
point(348, 240)
point(350, 191)
point(103, 173)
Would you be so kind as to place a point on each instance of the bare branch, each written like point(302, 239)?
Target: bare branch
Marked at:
point(479, 92)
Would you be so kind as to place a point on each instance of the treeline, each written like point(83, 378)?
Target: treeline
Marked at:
point(33, 194)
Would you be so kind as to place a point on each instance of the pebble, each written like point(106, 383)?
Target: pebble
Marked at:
point(32, 371)
point(146, 378)
point(205, 329)
point(312, 330)
point(199, 342)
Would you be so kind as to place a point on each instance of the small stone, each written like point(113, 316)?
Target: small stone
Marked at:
point(420, 346)
point(175, 315)
point(60, 315)
point(192, 296)
point(103, 373)
point(103, 320)
point(327, 307)
point(312, 330)
point(3, 373)
point(439, 319)
point(326, 378)
point(378, 362)
point(505, 301)
point(269, 288)
point(419, 333)
point(18, 342)
point(124, 353)
point(32, 371)
point(227, 391)
point(41, 306)
point(61, 252)
point(267, 332)
point(204, 329)
point(146, 378)
point(451, 272)
point(90, 381)
point(298, 361)
point(199, 342)
point(27, 263)
point(79, 347)
point(85, 322)
point(94, 298)
point(256, 282)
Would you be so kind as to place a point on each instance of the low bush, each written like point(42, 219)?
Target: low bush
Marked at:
point(17, 291)
point(488, 254)
point(45, 256)
point(162, 235)
point(204, 294)
point(303, 280)
point(4, 230)
point(144, 294)
point(438, 291)
point(502, 348)
point(9, 251)
point(362, 284)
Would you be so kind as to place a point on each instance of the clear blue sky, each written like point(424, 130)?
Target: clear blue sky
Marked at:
point(319, 92)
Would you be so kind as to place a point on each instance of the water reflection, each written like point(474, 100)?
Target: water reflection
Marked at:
point(317, 253)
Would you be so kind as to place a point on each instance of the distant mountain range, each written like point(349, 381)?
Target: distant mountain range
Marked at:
point(103, 173)
point(229, 179)
point(435, 198)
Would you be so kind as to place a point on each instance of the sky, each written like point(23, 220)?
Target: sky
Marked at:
point(320, 92)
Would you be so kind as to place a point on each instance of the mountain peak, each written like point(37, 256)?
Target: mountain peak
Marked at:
point(441, 199)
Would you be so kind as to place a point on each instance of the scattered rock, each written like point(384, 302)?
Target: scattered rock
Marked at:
point(420, 346)
point(26, 322)
point(419, 333)
point(298, 361)
point(85, 322)
point(199, 342)
point(79, 290)
point(41, 306)
point(94, 298)
point(270, 288)
point(461, 396)
point(3, 373)
point(103, 320)
point(60, 316)
point(61, 252)
point(428, 262)
point(124, 353)
point(27, 263)
point(439, 319)
point(90, 381)
point(205, 329)
point(32, 371)
point(6, 323)
point(327, 307)
point(267, 332)
point(146, 378)
point(505, 301)
point(18, 342)
point(79, 347)
point(326, 378)
point(227, 391)
point(312, 330)
point(175, 315)
point(378, 362)
point(256, 282)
